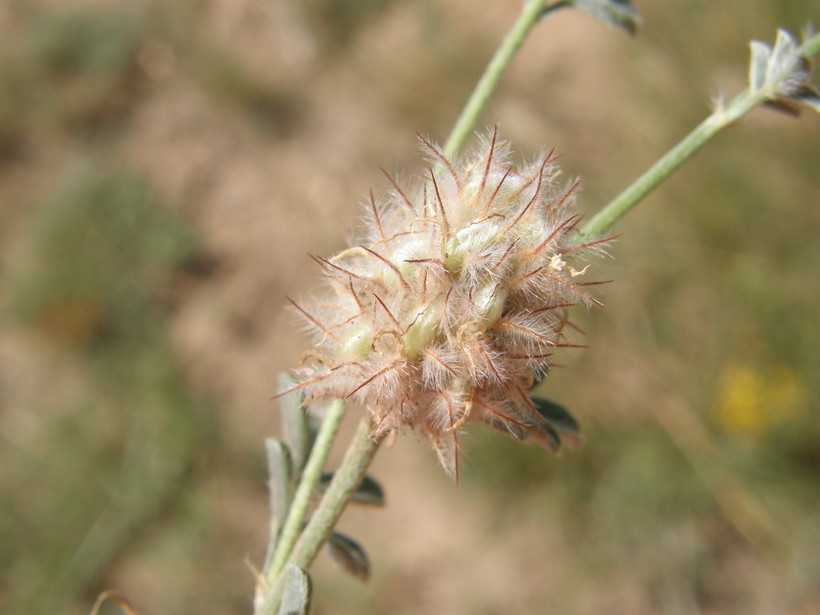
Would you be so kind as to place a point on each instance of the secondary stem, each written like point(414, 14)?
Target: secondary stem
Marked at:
point(811, 47)
point(533, 11)
point(722, 117)
point(345, 482)
point(647, 182)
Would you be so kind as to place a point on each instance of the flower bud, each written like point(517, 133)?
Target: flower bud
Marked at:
point(454, 299)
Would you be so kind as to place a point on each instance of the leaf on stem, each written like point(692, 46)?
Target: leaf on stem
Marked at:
point(297, 428)
point(783, 75)
point(280, 482)
point(350, 555)
point(368, 492)
point(511, 430)
point(296, 593)
point(559, 419)
point(616, 13)
point(545, 435)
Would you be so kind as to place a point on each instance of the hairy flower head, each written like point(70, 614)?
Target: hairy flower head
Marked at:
point(453, 299)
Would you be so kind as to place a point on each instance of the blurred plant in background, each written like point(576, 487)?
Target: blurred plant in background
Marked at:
point(177, 116)
point(94, 279)
point(750, 404)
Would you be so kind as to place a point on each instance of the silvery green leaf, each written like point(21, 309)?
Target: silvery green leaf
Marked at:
point(296, 425)
point(368, 492)
point(280, 487)
point(559, 418)
point(784, 57)
point(349, 555)
point(758, 65)
point(280, 478)
point(783, 74)
point(617, 13)
point(296, 593)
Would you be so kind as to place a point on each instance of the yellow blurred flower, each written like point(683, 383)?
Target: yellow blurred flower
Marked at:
point(749, 403)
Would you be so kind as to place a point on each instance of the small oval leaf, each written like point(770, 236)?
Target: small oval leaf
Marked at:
point(783, 74)
point(297, 430)
point(617, 13)
point(296, 593)
point(546, 436)
point(559, 418)
point(280, 482)
point(349, 555)
point(509, 429)
point(368, 492)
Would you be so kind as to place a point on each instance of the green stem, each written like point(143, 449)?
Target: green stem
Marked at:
point(307, 487)
point(533, 11)
point(811, 48)
point(647, 182)
point(723, 116)
point(345, 481)
point(344, 484)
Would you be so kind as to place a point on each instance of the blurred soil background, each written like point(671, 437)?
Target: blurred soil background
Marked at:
point(165, 167)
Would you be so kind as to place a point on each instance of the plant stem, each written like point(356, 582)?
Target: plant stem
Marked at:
point(345, 481)
point(307, 487)
point(647, 182)
point(724, 115)
point(344, 484)
point(811, 48)
point(533, 11)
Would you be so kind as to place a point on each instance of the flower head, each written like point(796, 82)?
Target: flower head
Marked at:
point(453, 300)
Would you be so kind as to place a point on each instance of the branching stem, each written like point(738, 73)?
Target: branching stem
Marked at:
point(307, 487)
point(345, 481)
point(724, 115)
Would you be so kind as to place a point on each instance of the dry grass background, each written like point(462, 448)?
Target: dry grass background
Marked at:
point(166, 167)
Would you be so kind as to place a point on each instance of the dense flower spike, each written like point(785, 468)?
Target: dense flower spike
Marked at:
point(452, 303)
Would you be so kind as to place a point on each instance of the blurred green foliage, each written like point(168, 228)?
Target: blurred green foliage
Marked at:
point(68, 70)
point(339, 22)
point(81, 71)
point(275, 110)
point(101, 260)
point(104, 250)
point(93, 263)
